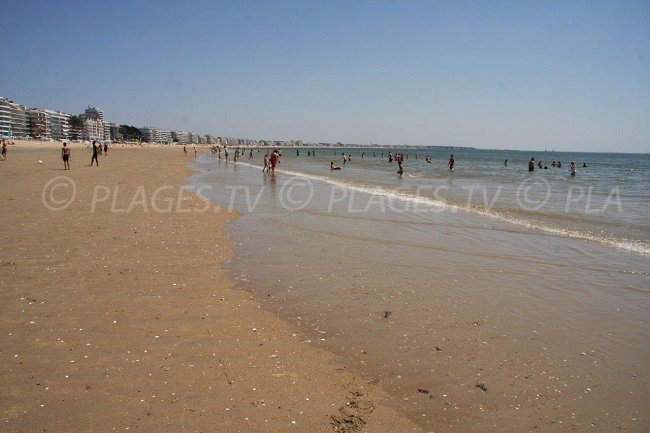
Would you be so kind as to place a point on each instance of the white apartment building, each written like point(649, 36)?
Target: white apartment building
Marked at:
point(93, 119)
point(59, 128)
point(182, 137)
point(13, 119)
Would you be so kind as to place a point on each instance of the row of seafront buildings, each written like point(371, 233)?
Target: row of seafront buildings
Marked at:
point(20, 122)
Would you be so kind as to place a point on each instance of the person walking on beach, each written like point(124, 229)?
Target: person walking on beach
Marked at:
point(3, 155)
point(65, 156)
point(531, 164)
point(94, 158)
point(451, 163)
point(196, 152)
point(105, 149)
point(185, 150)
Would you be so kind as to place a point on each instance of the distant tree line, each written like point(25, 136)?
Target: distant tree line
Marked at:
point(130, 133)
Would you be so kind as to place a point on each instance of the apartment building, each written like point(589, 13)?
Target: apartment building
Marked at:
point(93, 119)
point(182, 137)
point(58, 126)
point(39, 125)
point(13, 119)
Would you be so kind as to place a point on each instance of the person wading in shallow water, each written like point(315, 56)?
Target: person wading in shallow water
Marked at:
point(451, 163)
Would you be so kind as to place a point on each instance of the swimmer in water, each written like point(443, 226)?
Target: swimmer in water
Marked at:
point(572, 168)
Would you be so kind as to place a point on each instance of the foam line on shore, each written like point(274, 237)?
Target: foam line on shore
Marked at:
point(632, 246)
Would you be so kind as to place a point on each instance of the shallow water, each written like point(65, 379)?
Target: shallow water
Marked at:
point(438, 298)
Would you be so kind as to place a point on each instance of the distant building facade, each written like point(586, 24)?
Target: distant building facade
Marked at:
point(93, 119)
point(58, 125)
point(14, 122)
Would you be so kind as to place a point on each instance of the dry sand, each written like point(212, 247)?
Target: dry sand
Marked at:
point(126, 321)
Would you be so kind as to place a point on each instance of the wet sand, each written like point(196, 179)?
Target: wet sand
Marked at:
point(471, 324)
point(116, 320)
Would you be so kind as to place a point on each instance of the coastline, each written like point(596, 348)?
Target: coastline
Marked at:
point(116, 315)
point(468, 323)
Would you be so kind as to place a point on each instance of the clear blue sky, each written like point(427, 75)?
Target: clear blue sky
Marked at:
point(569, 75)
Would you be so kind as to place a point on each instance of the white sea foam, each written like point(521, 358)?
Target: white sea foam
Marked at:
point(637, 247)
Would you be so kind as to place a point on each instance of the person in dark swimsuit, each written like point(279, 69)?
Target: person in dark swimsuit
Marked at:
point(65, 156)
point(451, 163)
point(531, 164)
point(95, 151)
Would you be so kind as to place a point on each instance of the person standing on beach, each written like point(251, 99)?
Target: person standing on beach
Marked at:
point(195, 152)
point(185, 150)
point(94, 158)
point(531, 164)
point(4, 149)
point(105, 149)
point(451, 163)
point(65, 156)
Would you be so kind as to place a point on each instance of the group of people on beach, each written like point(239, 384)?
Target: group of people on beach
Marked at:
point(97, 150)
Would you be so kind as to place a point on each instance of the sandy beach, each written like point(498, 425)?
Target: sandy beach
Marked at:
point(117, 313)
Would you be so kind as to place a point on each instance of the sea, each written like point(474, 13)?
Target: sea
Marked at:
point(487, 298)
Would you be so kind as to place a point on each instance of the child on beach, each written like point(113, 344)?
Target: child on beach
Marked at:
point(65, 156)
point(266, 163)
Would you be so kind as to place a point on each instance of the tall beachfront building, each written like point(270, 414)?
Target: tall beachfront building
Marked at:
point(39, 125)
point(58, 125)
point(182, 137)
point(155, 135)
point(93, 119)
point(13, 119)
